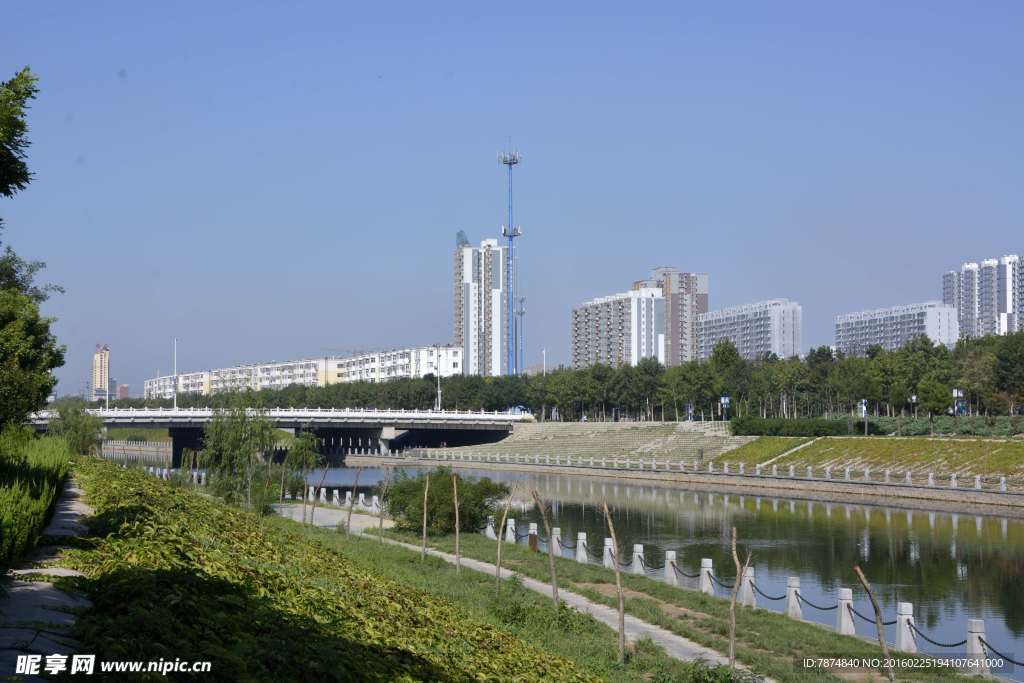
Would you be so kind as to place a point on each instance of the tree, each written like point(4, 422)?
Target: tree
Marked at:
point(80, 429)
point(1009, 369)
point(15, 95)
point(300, 459)
point(935, 397)
point(238, 441)
point(28, 355)
point(477, 499)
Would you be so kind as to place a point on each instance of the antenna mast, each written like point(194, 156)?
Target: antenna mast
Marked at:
point(511, 231)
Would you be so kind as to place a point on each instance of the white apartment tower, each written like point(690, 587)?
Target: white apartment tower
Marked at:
point(891, 328)
point(481, 291)
point(621, 329)
point(774, 326)
point(987, 296)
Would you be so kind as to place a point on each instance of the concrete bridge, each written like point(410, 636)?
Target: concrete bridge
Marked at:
point(340, 430)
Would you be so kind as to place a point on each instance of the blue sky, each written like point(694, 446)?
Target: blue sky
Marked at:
point(278, 180)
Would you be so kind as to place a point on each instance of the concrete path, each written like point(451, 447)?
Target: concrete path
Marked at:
point(330, 517)
point(35, 616)
point(792, 450)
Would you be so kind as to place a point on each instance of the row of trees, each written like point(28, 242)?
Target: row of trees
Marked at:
point(920, 376)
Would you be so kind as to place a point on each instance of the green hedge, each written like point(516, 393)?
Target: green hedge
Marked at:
point(31, 476)
point(176, 574)
point(777, 426)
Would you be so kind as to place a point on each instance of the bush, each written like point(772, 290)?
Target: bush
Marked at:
point(749, 425)
point(477, 499)
point(32, 472)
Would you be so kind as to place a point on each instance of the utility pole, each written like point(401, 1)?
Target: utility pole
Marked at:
point(175, 373)
point(437, 372)
point(510, 231)
point(544, 361)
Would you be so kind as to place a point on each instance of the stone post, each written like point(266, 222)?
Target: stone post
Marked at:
point(348, 498)
point(757, 470)
point(1002, 484)
point(952, 481)
point(846, 474)
point(747, 596)
point(886, 476)
point(312, 493)
point(336, 497)
point(606, 557)
point(725, 468)
point(977, 481)
point(975, 650)
point(775, 470)
point(510, 530)
point(375, 504)
point(931, 479)
point(828, 471)
point(581, 547)
point(793, 608)
point(362, 500)
point(741, 469)
point(867, 474)
point(711, 468)
point(792, 471)
point(323, 495)
point(810, 472)
point(670, 572)
point(556, 539)
point(844, 617)
point(706, 568)
point(907, 479)
point(904, 619)
point(489, 531)
point(637, 566)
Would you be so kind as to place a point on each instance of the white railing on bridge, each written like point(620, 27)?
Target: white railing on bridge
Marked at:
point(114, 414)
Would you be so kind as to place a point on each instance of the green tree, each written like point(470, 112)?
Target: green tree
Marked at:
point(239, 441)
point(28, 355)
point(80, 429)
point(935, 396)
point(300, 459)
point(477, 499)
point(1009, 369)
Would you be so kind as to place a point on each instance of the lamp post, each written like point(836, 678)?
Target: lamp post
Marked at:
point(437, 371)
point(724, 402)
point(913, 402)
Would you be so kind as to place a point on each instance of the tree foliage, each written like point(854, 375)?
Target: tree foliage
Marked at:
point(28, 355)
point(477, 499)
point(80, 429)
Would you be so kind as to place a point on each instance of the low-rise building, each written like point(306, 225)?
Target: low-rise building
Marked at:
point(758, 329)
point(370, 367)
point(891, 328)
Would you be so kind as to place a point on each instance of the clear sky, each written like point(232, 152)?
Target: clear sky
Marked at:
point(278, 180)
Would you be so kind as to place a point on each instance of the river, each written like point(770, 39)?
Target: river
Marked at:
point(952, 567)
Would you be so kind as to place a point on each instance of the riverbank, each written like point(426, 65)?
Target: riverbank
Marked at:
point(913, 497)
point(173, 573)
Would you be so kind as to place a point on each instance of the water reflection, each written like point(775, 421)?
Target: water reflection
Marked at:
point(951, 566)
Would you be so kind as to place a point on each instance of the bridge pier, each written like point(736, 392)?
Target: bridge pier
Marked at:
point(182, 438)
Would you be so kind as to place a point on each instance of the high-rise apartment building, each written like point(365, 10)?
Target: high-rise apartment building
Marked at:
point(620, 329)
point(481, 297)
point(100, 379)
point(986, 295)
point(757, 329)
point(685, 298)
point(891, 328)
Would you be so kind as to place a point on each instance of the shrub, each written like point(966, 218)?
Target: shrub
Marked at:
point(477, 499)
point(32, 472)
point(749, 425)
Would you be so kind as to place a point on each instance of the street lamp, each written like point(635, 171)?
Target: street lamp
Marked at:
point(913, 402)
point(724, 401)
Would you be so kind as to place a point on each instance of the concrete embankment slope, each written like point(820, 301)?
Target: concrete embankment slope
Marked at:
point(632, 440)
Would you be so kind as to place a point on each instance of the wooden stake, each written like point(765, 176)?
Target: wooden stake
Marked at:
point(878, 622)
point(426, 490)
point(455, 494)
point(740, 573)
point(618, 585)
point(551, 547)
point(501, 533)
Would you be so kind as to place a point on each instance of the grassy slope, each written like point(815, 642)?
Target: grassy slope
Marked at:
point(770, 643)
point(764, 448)
point(32, 474)
point(964, 456)
point(173, 574)
point(524, 613)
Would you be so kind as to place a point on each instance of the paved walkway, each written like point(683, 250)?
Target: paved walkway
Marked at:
point(35, 616)
point(676, 646)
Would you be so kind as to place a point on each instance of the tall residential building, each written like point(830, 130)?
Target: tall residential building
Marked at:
point(686, 298)
point(757, 329)
point(481, 296)
point(368, 367)
point(891, 328)
point(100, 380)
point(620, 329)
point(986, 296)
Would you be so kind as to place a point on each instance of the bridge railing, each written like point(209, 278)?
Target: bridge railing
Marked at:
point(113, 413)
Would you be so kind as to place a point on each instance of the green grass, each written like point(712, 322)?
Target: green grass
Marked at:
point(172, 573)
point(520, 611)
point(137, 434)
point(32, 472)
point(964, 456)
point(764, 448)
point(771, 644)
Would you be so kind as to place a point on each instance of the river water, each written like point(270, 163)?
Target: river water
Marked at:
point(952, 567)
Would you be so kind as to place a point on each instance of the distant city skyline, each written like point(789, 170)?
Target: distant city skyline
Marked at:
point(842, 156)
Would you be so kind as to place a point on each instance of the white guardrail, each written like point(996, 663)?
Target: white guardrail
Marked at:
point(166, 414)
